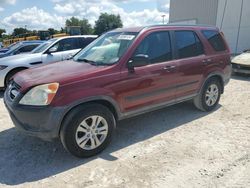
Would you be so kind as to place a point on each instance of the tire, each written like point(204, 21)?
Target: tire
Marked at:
point(202, 100)
point(79, 134)
point(10, 75)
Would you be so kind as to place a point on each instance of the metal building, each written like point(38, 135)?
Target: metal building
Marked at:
point(231, 16)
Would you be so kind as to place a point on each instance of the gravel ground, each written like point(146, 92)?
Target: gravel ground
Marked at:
point(174, 147)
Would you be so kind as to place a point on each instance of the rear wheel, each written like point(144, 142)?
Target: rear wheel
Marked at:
point(210, 95)
point(87, 130)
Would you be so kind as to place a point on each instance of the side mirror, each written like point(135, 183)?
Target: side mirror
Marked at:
point(70, 56)
point(16, 52)
point(139, 60)
point(52, 50)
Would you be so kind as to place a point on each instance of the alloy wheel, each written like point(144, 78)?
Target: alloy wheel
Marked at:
point(91, 132)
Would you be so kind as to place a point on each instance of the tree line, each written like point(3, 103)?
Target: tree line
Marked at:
point(104, 23)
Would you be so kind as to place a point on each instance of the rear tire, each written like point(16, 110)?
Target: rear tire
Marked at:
point(209, 97)
point(87, 130)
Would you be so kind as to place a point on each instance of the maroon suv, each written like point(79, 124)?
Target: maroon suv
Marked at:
point(124, 73)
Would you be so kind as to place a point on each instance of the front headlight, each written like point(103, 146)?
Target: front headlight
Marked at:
point(2, 67)
point(41, 95)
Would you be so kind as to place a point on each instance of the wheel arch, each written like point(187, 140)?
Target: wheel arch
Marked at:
point(103, 100)
point(13, 70)
point(218, 76)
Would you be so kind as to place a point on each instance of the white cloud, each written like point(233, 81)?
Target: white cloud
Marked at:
point(92, 9)
point(34, 18)
point(163, 5)
point(65, 9)
point(11, 2)
point(3, 2)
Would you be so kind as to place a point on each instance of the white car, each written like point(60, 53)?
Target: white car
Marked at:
point(241, 63)
point(53, 50)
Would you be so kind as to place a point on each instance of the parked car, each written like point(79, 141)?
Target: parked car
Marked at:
point(3, 50)
point(241, 63)
point(124, 73)
point(51, 51)
point(21, 47)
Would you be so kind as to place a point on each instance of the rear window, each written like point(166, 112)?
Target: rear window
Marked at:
point(215, 39)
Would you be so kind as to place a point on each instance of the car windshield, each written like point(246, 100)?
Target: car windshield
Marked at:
point(15, 46)
point(107, 50)
point(10, 46)
point(43, 46)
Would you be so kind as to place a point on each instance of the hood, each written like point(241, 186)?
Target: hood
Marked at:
point(243, 59)
point(3, 55)
point(20, 59)
point(61, 72)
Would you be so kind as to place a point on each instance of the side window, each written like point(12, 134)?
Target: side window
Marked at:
point(157, 46)
point(28, 48)
point(188, 44)
point(215, 39)
point(83, 42)
point(66, 44)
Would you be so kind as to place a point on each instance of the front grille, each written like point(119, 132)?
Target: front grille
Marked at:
point(14, 90)
point(15, 85)
point(238, 66)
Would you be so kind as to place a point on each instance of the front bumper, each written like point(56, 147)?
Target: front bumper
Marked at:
point(42, 122)
point(3, 74)
point(238, 68)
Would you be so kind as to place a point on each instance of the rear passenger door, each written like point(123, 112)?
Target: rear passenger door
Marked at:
point(190, 54)
point(70, 47)
point(83, 42)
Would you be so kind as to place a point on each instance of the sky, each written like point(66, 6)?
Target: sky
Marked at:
point(44, 14)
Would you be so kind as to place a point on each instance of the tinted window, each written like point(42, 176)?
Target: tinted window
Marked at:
point(157, 46)
point(188, 44)
point(24, 49)
point(215, 40)
point(66, 44)
point(27, 48)
point(83, 42)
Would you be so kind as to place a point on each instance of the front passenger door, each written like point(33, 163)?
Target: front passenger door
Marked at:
point(153, 84)
point(61, 51)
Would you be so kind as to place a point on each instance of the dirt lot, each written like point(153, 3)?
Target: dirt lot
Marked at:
point(174, 147)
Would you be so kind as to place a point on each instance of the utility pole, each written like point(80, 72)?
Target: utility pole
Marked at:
point(163, 19)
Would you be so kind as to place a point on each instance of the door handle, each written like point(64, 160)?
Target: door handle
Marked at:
point(206, 61)
point(169, 68)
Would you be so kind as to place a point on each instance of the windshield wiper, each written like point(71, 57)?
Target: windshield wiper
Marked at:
point(91, 62)
point(86, 61)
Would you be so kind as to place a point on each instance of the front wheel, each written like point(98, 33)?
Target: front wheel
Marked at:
point(209, 97)
point(87, 130)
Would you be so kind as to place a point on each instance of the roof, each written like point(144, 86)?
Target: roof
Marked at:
point(77, 36)
point(138, 29)
point(32, 41)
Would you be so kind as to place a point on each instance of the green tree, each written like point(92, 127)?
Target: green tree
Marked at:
point(62, 30)
point(53, 31)
point(1, 32)
point(107, 22)
point(20, 31)
point(85, 27)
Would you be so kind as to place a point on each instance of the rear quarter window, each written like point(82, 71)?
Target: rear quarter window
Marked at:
point(215, 39)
